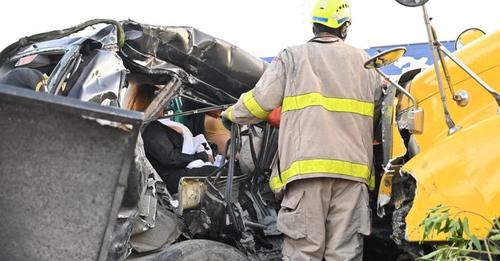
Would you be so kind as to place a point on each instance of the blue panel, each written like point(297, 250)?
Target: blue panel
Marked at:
point(417, 56)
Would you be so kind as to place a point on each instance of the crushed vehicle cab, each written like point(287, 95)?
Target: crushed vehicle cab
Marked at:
point(75, 108)
point(132, 214)
point(229, 215)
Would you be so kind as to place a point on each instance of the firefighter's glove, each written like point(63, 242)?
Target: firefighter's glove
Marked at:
point(225, 120)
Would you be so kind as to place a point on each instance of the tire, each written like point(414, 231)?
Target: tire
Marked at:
point(200, 250)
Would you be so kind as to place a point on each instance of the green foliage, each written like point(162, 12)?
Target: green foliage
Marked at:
point(462, 244)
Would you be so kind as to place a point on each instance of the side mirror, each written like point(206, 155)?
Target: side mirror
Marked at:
point(412, 3)
point(416, 120)
point(467, 37)
point(385, 58)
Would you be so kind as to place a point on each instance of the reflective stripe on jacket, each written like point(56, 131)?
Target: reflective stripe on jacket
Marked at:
point(327, 100)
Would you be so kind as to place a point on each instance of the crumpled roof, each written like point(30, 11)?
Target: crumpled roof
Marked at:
point(153, 49)
point(213, 69)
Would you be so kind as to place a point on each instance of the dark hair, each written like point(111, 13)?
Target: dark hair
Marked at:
point(341, 32)
point(140, 97)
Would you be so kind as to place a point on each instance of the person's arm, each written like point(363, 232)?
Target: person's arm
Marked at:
point(379, 96)
point(157, 143)
point(378, 85)
point(255, 105)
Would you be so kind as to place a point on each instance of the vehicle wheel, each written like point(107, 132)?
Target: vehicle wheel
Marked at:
point(200, 250)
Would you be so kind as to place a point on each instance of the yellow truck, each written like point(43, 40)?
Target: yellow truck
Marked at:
point(451, 156)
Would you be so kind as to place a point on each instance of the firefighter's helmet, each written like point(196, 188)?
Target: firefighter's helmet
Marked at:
point(331, 13)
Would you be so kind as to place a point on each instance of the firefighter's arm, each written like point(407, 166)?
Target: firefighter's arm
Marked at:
point(255, 105)
point(379, 96)
point(378, 87)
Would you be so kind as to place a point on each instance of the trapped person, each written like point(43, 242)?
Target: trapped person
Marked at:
point(215, 131)
point(164, 142)
point(327, 102)
point(163, 146)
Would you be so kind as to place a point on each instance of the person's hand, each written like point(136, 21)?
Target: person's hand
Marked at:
point(211, 158)
point(225, 120)
point(202, 155)
point(274, 117)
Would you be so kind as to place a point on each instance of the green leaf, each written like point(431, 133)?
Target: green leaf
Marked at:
point(476, 242)
point(437, 226)
point(432, 254)
point(494, 249)
point(447, 226)
point(495, 237)
point(427, 229)
point(460, 230)
point(466, 227)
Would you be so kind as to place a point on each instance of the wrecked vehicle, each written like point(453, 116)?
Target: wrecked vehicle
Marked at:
point(85, 190)
point(96, 196)
point(222, 217)
point(449, 157)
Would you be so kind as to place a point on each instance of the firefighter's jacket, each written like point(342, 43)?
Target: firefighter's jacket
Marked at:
point(327, 99)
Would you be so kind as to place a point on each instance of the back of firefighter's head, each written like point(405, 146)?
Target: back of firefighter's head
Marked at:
point(331, 16)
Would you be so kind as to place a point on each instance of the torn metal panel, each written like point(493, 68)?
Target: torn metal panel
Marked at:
point(168, 227)
point(99, 77)
point(211, 69)
point(384, 193)
point(403, 193)
point(387, 123)
point(89, 69)
point(152, 49)
point(128, 214)
point(63, 177)
point(58, 34)
point(458, 175)
point(56, 79)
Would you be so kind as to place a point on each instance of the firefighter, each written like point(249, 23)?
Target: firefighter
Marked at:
point(327, 102)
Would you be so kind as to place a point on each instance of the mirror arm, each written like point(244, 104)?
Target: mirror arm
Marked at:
point(399, 87)
point(452, 128)
point(444, 66)
point(471, 74)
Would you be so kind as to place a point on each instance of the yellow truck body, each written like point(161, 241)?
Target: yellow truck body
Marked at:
point(461, 170)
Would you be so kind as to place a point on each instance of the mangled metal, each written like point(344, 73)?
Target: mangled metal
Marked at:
point(64, 177)
point(210, 61)
point(186, 63)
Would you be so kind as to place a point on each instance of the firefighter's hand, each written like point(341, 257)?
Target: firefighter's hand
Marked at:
point(225, 120)
point(274, 118)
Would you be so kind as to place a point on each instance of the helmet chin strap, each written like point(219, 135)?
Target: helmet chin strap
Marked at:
point(343, 32)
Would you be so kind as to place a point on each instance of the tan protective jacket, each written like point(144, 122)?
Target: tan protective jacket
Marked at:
point(327, 100)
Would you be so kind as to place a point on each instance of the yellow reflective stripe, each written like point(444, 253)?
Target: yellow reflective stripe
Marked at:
point(371, 183)
point(331, 104)
point(229, 113)
point(321, 166)
point(253, 107)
